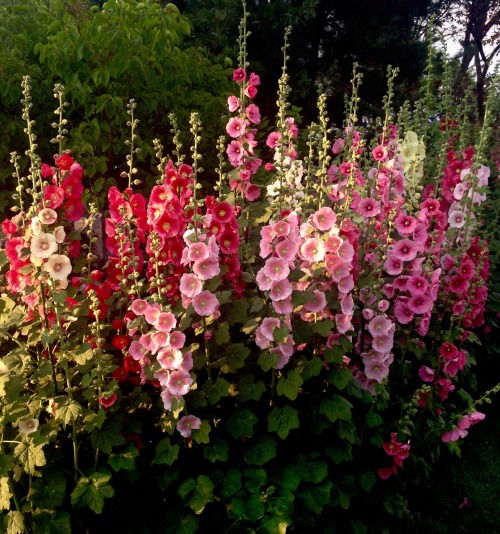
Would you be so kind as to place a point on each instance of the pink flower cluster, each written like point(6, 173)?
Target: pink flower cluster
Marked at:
point(462, 427)
point(398, 451)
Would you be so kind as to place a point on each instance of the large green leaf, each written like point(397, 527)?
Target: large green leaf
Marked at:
point(282, 420)
point(197, 494)
point(91, 492)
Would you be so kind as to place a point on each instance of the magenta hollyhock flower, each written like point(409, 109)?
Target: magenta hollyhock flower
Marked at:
point(222, 212)
point(235, 153)
point(276, 269)
point(206, 269)
point(179, 383)
point(239, 75)
point(385, 472)
point(404, 250)
point(252, 192)
point(405, 224)
point(267, 327)
point(379, 153)
point(187, 424)
point(53, 196)
point(459, 284)
point(444, 387)
point(368, 207)
point(233, 103)
point(229, 241)
point(417, 285)
point(324, 219)
point(426, 373)
point(280, 290)
point(393, 266)
point(467, 269)
point(420, 303)
point(402, 312)
point(205, 303)
point(253, 113)
point(453, 435)
point(236, 127)
point(165, 322)
point(74, 210)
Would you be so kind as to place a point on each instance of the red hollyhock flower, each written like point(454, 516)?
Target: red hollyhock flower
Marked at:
point(64, 162)
point(120, 342)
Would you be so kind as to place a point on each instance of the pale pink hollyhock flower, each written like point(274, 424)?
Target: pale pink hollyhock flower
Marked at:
point(59, 234)
point(347, 305)
point(205, 303)
point(324, 219)
point(268, 233)
point(405, 224)
point(177, 339)
point(343, 323)
point(475, 417)
point(453, 435)
point(346, 284)
point(337, 268)
point(383, 343)
point(187, 363)
point(151, 314)
point(307, 230)
point(190, 285)
point(420, 303)
point(379, 325)
point(459, 191)
point(169, 358)
point(280, 290)
point(426, 373)
point(206, 269)
point(233, 103)
point(236, 127)
point(47, 216)
point(235, 153)
point(283, 307)
point(383, 305)
point(187, 424)
point(264, 333)
point(369, 207)
point(28, 426)
point(139, 306)
point(282, 228)
point(58, 266)
point(136, 350)
point(266, 248)
point(197, 251)
point(402, 312)
point(179, 383)
point(146, 340)
point(404, 250)
point(368, 314)
point(159, 340)
point(317, 303)
point(346, 252)
point(333, 243)
point(43, 245)
point(276, 269)
point(456, 219)
point(338, 145)
point(376, 369)
point(264, 282)
point(253, 113)
point(417, 285)
point(286, 249)
point(165, 321)
point(313, 250)
point(36, 226)
point(167, 397)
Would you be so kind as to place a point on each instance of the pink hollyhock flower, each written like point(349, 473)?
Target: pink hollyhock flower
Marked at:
point(73, 188)
point(420, 303)
point(280, 290)
point(286, 250)
point(338, 145)
point(376, 369)
point(467, 269)
point(158, 340)
point(380, 325)
point(263, 282)
point(190, 285)
point(239, 75)
point(393, 266)
point(379, 153)
point(267, 327)
point(206, 269)
point(405, 224)
point(313, 250)
point(343, 323)
point(252, 192)
point(139, 306)
point(169, 358)
point(324, 219)
point(236, 127)
point(151, 314)
point(368, 207)
point(475, 417)
point(197, 251)
point(426, 373)
point(165, 322)
point(282, 228)
point(253, 113)
point(402, 312)
point(317, 303)
point(250, 91)
point(346, 284)
point(223, 212)
point(385, 472)
point(177, 340)
point(404, 250)
point(456, 219)
point(417, 285)
point(107, 402)
point(205, 303)
point(58, 266)
point(459, 284)
point(43, 245)
point(46, 170)
point(383, 343)
point(453, 435)
point(347, 305)
point(137, 350)
point(346, 252)
point(273, 140)
point(233, 103)
point(396, 449)
point(424, 324)
point(53, 196)
point(443, 387)
point(283, 307)
point(179, 383)
point(187, 424)
point(235, 153)
point(337, 268)
point(276, 269)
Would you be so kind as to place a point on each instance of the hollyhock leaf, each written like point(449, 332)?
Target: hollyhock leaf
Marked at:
point(15, 522)
point(51, 522)
point(340, 377)
point(309, 368)
point(5, 465)
point(92, 491)
point(316, 497)
point(68, 410)
point(165, 453)
point(217, 452)
point(231, 483)
point(237, 353)
point(125, 459)
point(280, 334)
point(60, 297)
point(282, 420)
point(258, 304)
point(237, 312)
point(200, 435)
point(324, 327)
point(336, 408)
point(250, 390)
point(267, 361)
point(262, 452)
point(108, 436)
point(289, 386)
point(82, 354)
point(373, 419)
point(5, 494)
point(341, 452)
point(48, 337)
point(255, 479)
point(367, 480)
point(49, 491)
point(250, 326)
point(241, 423)
point(197, 494)
point(222, 334)
point(312, 468)
point(216, 390)
point(94, 419)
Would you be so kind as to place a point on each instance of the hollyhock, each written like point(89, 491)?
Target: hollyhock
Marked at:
point(405, 224)
point(459, 284)
point(53, 196)
point(346, 284)
point(404, 250)
point(187, 424)
point(456, 219)
point(137, 350)
point(379, 153)
point(177, 339)
point(28, 426)
point(402, 312)
point(276, 269)
point(151, 314)
point(43, 245)
point(417, 285)
point(47, 216)
point(253, 113)
point(393, 266)
point(377, 370)
point(165, 322)
point(229, 242)
point(74, 210)
point(280, 290)
point(107, 402)
point(383, 343)
point(444, 387)
point(206, 269)
point(233, 103)
point(235, 153)
point(252, 192)
point(324, 219)
point(139, 306)
point(239, 75)
point(313, 250)
point(179, 382)
point(190, 285)
point(286, 250)
point(169, 358)
point(58, 267)
point(379, 325)
point(236, 127)
point(316, 303)
point(396, 449)
point(426, 373)
point(205, 303)
point(420, 303)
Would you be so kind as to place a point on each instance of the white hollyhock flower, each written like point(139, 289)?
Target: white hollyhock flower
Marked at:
point(58, 266)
